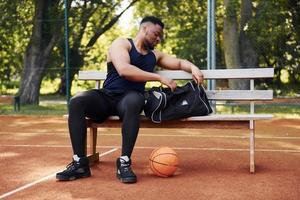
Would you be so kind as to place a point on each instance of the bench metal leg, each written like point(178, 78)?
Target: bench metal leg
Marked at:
point(94, 156)
point(252, 146)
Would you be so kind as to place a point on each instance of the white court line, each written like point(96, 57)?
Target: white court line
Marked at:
point(44, 178)
point(45, 146)
point(153, 147)
point(182, 135)
point(26, 186)
point(227, 149)
point(209, 136)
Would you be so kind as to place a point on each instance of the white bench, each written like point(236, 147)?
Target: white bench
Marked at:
point(239, 121)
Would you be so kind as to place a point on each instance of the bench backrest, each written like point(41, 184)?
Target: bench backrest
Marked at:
point(250, 74)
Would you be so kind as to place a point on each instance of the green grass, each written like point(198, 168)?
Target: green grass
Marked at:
point(49, 105)
point(50, 109)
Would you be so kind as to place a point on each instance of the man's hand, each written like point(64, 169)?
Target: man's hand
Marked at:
point(197, 75)
point(168, 82)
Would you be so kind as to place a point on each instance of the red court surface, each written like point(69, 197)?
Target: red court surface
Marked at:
point(214, 163)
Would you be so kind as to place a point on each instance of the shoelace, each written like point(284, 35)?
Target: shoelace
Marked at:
point(71, 166)
point(126, 169)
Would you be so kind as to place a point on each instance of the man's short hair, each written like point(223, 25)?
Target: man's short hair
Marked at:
point(153, 20)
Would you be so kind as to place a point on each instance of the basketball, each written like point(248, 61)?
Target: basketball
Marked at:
point(163, 161)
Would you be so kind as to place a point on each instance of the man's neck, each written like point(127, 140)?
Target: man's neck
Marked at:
point(140, 45)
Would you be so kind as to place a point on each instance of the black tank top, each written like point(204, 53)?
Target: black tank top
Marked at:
point(116, 83)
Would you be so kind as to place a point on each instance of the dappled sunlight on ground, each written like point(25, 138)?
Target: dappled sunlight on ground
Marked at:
point(214, 163)
point(8, 154)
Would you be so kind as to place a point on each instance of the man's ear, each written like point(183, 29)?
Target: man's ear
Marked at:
point(144, 28)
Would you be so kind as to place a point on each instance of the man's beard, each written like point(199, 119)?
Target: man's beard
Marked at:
point(149, 46)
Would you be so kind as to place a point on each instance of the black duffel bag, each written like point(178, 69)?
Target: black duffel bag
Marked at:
point(186, 101)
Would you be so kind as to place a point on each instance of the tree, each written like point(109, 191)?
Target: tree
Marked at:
point(231, 34)
point(44, 36)
point(267, 35)
point(248, 34)
point(15, 27)
point(248, 54)
point(275, 32)
point(87, 17)
point(238, 48)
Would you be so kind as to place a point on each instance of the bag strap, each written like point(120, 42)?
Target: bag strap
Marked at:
point(154, 111)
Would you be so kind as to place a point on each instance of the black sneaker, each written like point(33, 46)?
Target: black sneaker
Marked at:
point(124, 171)
point(75, 170)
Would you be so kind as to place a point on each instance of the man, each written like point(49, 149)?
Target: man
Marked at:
point(130, 64)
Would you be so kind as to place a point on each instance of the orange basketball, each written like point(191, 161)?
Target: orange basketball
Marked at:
point(163, 161)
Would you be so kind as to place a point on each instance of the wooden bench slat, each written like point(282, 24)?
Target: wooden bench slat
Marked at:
point(92, 75)
point(213, 117)
point(217, 117)
point(231, 117)
point(222, 73)
point(176, 124)
point(211, 121)
point(208, 74)
point(240, 94)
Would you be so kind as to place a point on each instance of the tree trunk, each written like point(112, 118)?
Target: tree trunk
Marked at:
point(248, 55)
point(31, 77)
point(38, 50)
point(231, 39)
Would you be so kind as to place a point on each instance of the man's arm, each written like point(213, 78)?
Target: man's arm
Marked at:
point(119, 55)
point(169, 62)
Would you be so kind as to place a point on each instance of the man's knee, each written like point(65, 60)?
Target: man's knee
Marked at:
point(78, 99)
point(75, 100)
point(133, 101)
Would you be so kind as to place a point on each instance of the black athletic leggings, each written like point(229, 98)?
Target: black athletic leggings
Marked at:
point(98, 105)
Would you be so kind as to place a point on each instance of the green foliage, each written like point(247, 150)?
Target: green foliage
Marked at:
point(233, 8)
point(274, 31)
point(276, 40)
point(185, 30)
point(88, 23)
point(14, 36)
